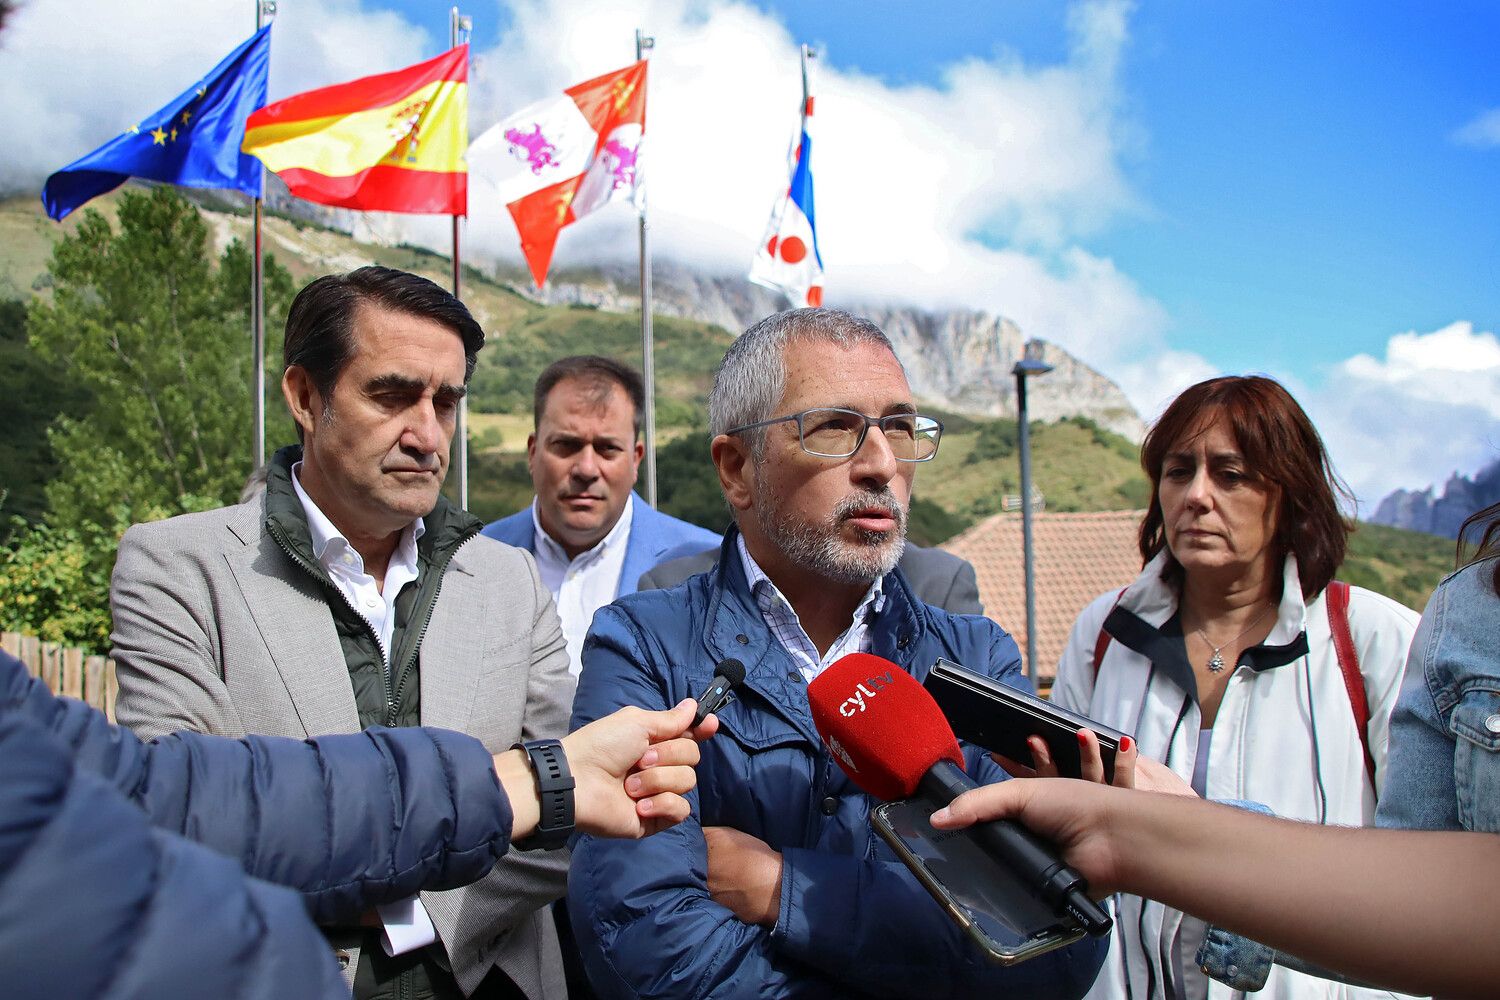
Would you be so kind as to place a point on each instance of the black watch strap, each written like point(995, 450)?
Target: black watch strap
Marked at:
point(554, 786)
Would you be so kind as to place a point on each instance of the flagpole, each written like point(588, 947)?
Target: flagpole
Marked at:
point(643, 45)
point(807, 53)
point(263, 8)
point(458, 24)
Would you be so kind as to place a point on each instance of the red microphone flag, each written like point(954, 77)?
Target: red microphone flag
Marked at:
point(881, 726)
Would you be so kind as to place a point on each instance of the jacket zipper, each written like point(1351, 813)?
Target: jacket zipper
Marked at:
point(404, 985)
point(440, 568)
point(317, 574)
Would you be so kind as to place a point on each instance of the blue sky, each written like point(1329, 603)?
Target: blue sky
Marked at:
point(1169, 189)
point(1302, 194)
point(1303, 198)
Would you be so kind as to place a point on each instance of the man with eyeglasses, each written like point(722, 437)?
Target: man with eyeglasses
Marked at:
point(776, 886)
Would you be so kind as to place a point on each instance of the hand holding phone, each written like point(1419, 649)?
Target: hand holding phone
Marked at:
point(986, 713)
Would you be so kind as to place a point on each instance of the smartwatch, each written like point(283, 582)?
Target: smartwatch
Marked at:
point(554, 786)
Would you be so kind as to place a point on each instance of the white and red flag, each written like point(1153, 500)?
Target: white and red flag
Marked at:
point(788, 258)
point(566, 156)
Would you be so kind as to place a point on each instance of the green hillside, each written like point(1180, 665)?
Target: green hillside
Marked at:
point(1076, 465)
point(1403, 565)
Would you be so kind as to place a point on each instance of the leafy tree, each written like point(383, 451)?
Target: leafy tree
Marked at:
point(52, 585)
point(687, 484)
point(142, 321)
point(929, 524)
point(997, 439)
point(33, 393)
point(146, 341)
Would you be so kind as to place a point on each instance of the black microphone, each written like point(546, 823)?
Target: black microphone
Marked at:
point(1020, 850)
point(728, 675)
point(890, 737)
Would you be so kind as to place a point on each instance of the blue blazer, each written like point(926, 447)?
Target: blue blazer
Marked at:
point(654, 538)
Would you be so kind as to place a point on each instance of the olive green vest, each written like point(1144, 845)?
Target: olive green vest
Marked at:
point(385, 695)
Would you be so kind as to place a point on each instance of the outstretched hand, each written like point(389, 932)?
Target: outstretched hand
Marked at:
point(633, 769)
point(1072, 814)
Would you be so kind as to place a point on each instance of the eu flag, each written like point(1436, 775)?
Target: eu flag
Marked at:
point(194, 141)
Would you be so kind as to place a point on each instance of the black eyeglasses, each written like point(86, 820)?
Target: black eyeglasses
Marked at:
point(833, 432)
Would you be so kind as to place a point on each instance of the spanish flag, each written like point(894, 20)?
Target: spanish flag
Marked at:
point(392, 143)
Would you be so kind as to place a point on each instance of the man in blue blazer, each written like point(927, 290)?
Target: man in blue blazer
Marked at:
point(591, 533)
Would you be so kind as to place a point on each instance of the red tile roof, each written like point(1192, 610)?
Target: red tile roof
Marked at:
point(1078, 557)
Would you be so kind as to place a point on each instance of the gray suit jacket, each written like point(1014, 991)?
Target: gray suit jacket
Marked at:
point(938, 578)
point(218, 632)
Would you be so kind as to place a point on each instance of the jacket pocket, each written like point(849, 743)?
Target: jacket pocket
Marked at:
point(1475, 724)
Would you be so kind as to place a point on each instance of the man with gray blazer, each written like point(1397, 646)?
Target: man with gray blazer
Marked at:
point(938, 578)
point(352, 594)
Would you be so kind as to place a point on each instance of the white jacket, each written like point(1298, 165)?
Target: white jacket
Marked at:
point(1284, 737)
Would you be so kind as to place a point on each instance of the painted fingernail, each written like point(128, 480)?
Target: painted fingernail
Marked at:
point(1083, 738)
point(1127, 744)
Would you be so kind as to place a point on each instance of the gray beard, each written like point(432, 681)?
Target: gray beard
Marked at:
point(819, 548)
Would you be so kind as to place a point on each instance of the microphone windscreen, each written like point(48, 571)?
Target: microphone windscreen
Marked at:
point(881, 726)
point(732, 670)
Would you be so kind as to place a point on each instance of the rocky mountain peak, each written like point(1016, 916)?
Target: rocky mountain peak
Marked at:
point(1441, 514)
point(959, 360)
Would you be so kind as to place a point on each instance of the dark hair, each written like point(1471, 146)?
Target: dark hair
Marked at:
point(600, 375)
point(1486, 525)
point(320, 324)
point(1281, 447)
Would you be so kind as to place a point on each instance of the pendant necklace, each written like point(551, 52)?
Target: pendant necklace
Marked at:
point(1216, 662)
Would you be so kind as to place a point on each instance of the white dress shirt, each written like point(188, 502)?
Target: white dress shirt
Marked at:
point(346, 568)
point(584, 584)
point(405, 923)
point(784, 624)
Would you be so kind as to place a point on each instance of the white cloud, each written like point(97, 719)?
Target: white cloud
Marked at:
point(979, 191)
point(917, 185)
point(1154, 381)
point(1429, 407)
point(1483, 131)
point(76, 73)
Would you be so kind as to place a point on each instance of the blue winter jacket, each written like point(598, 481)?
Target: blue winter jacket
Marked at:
point(853, 921)
point(103, 892)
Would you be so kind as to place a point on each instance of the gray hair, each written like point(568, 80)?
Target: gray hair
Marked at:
point(750, 380)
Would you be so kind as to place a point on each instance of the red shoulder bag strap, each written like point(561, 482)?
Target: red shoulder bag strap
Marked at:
point(1337, 598)
point(1101, 644)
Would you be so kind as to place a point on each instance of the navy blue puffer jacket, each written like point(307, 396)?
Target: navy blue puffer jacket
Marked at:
point(103, 891)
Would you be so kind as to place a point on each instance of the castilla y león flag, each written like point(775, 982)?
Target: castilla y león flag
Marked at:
point(393, 142)
point(788, 258)
point(563, 157)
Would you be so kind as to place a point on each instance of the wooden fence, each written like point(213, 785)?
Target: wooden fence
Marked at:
point(67, 670)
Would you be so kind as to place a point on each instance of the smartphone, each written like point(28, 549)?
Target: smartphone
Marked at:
point(996, 911)
point(986, 713)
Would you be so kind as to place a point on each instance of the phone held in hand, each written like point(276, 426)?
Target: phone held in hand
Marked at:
point(1007, 921)
point(986, 713)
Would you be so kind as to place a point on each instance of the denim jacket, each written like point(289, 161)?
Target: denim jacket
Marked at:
point(1445, 732)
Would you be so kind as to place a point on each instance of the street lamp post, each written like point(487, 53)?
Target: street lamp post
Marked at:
point(1026, 367)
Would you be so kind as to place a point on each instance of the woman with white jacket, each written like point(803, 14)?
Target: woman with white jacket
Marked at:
point(1235, 659)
